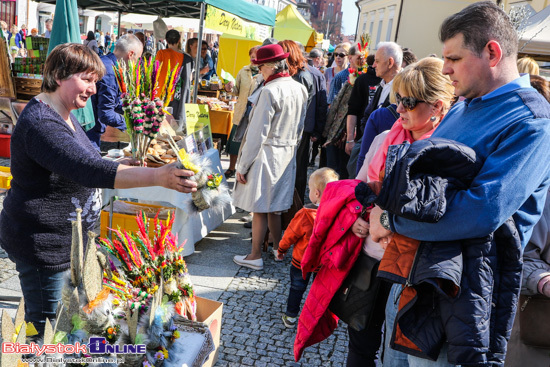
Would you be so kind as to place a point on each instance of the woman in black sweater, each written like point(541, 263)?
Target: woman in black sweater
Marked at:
point(56, 170)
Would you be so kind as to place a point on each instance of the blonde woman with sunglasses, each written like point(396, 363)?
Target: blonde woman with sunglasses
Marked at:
point(423, 96)
point(340, 62)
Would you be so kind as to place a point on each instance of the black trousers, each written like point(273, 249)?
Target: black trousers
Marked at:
point(365, 344)
point(302, 161)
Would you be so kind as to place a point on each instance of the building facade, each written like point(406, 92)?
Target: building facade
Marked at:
point(34, 15)
point(326, 18)
point(415, 23)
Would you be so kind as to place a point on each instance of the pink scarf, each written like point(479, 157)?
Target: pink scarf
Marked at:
point(397, 135)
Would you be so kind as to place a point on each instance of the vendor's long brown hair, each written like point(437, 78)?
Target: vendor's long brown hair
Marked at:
point(296, 60)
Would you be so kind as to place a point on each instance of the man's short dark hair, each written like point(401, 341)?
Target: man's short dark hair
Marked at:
point(408, 56)
point(480, 23)
point(173, 37)
point(68, 59)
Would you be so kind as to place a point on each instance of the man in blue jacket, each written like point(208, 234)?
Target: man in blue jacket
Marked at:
point(507, 124)
point(106, 102)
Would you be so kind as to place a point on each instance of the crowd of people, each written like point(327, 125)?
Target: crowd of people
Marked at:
point(435, 174)
point(432, 184)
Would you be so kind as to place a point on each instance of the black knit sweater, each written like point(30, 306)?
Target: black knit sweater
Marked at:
point(55, 171)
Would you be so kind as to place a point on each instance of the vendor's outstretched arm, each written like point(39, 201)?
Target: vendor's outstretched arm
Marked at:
point(167, 176)
point(517, 169)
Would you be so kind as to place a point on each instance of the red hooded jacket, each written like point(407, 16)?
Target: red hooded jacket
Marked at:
point(333, 246)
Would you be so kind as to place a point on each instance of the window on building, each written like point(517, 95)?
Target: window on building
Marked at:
point(7, 11)
point(391, 15)
point(82, 24)
point(372, 16)
point(380, 24)
point(97, 23)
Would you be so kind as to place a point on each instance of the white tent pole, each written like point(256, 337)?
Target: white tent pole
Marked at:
point(198, 57)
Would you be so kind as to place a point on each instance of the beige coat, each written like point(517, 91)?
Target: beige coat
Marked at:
point(268, 151)
point(245, 84)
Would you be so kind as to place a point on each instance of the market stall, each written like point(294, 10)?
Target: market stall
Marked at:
point(190, 226)
point(290, 24)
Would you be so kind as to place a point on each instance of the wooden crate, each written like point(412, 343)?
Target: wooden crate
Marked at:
point(27, 88)
point(128, 221)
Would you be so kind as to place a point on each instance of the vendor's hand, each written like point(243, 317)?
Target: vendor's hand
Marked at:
point(360, 228)
point(175, 178)
point(376, 230)
point(129, 161)
point(205, 70)
point(349, 147)
point(229, 86)
point(241, 178)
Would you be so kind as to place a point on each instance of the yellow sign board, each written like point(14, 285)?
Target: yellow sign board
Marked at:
point(199, 134)
point(228, 23)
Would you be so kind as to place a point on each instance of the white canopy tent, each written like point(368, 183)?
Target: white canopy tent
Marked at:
point(144, 21)
point(535, 37)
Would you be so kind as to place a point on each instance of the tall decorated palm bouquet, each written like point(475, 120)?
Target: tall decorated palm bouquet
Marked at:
point(363, 46)
point(142, 102)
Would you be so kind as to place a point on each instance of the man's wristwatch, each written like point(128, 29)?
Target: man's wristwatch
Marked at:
point(385, 220)
point(350, 141)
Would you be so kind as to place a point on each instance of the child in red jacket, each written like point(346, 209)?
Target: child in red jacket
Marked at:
point(298, 233)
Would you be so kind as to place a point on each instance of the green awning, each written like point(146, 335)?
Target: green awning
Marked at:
point(181, 8)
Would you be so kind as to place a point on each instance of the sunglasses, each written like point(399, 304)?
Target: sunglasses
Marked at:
point(342, 55)
point(409, 103)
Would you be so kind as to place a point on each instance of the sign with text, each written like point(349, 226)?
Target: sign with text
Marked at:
point(197, 120)
point(228, 23)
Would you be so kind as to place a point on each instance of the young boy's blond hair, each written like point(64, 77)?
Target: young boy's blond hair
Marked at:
point(318, 181)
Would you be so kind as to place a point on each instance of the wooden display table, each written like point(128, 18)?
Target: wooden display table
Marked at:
point(188, 224)
point(209, 93)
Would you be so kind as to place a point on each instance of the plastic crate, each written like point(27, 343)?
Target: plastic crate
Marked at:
point(5, 178)
point(128, 221)
point(5, 145)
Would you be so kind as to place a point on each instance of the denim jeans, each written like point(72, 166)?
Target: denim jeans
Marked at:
point(441, 360)
point(298, 286)
point(393, 358)
point(42, 291)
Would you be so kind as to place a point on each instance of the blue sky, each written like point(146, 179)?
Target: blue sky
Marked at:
point(350, 16)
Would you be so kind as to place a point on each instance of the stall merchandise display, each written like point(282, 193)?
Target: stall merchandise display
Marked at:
point(144, 109)
point(223, 103)
point(129, 299)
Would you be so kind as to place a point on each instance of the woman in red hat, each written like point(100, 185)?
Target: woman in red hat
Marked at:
point(266, 166)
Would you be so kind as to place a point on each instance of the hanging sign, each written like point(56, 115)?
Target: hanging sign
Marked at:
point(228, 23)
point(199, 134)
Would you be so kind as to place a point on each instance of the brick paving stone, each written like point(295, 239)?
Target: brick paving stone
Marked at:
point(257, 299)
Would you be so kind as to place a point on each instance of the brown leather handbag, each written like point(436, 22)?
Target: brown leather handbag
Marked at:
point(534, 320)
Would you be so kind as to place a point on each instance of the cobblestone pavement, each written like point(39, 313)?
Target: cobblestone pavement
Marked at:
point(253, 333)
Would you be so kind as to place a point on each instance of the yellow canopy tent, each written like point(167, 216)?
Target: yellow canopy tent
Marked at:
point(290, 25)
point(233, 53)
